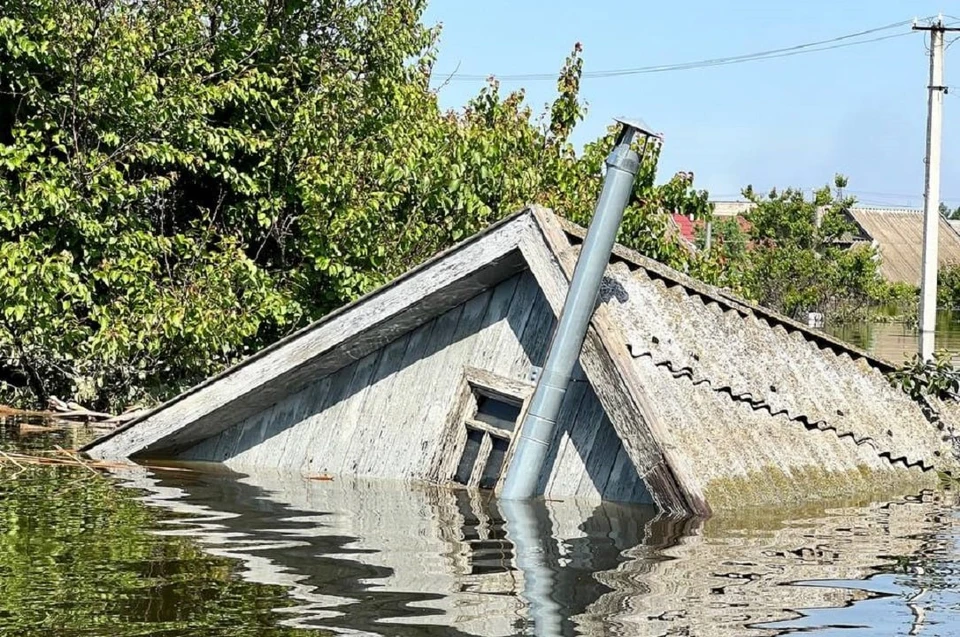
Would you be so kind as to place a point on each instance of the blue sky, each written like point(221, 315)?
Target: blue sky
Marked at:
point(793, 121)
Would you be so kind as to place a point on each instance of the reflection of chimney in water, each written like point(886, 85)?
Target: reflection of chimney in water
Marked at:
point(528, 536)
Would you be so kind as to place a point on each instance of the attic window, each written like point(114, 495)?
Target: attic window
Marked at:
point(497, 413)
point(490, 421)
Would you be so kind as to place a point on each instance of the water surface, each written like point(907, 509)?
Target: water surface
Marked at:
point(897, 341)
point(209, 552)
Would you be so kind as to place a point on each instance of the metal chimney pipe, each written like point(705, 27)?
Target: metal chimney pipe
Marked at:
point(538, 425)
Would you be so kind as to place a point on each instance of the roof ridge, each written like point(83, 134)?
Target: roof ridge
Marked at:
point(888, 209)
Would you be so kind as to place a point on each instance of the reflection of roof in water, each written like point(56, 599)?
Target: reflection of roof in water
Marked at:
point(369, 558)
point(362, 556)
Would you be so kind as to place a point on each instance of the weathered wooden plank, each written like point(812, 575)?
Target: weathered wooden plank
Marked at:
point(398, 419)
point(620, 484)
point(361, 454)
point(205, 449)
point(492, 328)
point(503, 386)
point(277, 425)
point(581, 435)
point(297, 437)
point(340, 431)
point(450, 444)
point(510, 354)
point(430, 381)
point(449, 372)
point(599, 461)
point(537, 332)
point(291, 419)
point(224, 444)
point(322, 420)
point(252, 431)
point(289, 365)
point(480, 462)
point(464, 342)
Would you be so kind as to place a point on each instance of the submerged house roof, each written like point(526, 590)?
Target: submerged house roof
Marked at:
point(716, 402)
point(898, 233)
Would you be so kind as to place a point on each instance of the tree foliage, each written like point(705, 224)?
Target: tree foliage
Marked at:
point(800, 258)
point(184, 182)
point(948, 286)
point(948, 212)
point(936, 377)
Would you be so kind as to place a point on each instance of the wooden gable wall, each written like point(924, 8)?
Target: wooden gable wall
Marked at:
point(394, 412)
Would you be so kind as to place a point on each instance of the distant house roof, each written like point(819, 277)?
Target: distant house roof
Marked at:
point(898, 233)
point(731, 208)
point(687, 227)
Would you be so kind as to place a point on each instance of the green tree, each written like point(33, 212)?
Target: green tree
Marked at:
point(723, 265)
point(948, 286)
point(182, 183)
point(948, 212)
point(800, 258)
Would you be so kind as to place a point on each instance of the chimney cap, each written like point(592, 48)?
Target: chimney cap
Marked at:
point(638, 124)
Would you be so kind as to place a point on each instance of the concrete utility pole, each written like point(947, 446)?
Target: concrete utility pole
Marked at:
point(931, 191)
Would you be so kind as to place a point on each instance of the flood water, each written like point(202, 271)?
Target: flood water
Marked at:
point(896, 341)
point(207, 552)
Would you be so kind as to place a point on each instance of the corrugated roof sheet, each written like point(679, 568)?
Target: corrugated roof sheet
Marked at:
point(759, 408)
point(899, 235)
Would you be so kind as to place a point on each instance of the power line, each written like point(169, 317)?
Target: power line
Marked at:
point(809, 47)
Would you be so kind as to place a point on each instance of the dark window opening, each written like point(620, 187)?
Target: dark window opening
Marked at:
point(491, 471)
point(497, 413)
point(490, 423)
point(469, 457)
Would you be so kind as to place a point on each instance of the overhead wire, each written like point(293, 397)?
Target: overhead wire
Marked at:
point(799, 49)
